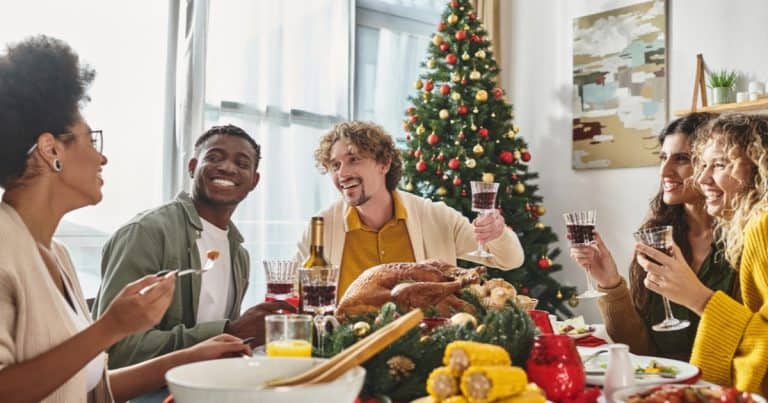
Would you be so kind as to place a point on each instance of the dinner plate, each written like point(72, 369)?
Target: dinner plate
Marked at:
point(596, 367)
point(621, 396)
point(577, 336)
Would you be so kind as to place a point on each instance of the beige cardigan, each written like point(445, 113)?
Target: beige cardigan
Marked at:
point(33, 318)
point(436, 231)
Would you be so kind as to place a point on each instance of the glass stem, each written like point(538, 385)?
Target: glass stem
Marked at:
point(590, 287)
point(667, 308)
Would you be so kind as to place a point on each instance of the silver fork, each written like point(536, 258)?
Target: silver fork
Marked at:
point(208, 266)
point(592, 356)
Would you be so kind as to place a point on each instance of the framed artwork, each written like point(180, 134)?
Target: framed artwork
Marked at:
point(620, 86)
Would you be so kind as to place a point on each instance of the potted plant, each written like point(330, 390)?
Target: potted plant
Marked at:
point(722, 83)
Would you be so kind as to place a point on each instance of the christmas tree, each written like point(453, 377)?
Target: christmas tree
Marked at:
point(460, 129)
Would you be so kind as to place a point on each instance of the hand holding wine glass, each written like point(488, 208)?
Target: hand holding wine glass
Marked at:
point(483, 202)
point(599, 260)
point(581, 227)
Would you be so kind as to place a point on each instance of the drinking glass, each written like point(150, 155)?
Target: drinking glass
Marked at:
point(281, 276)
point(483, 202)
point(580, 226)
point(288, 335)
point(660, 238)
point(318, 289)
point(555, 365)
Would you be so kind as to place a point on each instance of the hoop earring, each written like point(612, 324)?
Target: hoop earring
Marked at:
point(57, 165)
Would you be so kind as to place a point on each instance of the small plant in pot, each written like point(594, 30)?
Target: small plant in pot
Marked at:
point(722, 83)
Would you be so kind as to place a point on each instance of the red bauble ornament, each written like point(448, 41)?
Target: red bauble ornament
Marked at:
point(454, 4)
point(421, 166)
point(414, 119)
point(506, 157)
point(450, 58)
point(428, 86)
point(460, 35)
point(445, 89)
point(454, 163)
point(472, 16)
point(461, 136)
point(483, 132)
point(407, 137)
point(474, 38)
point(462, 110)
point(440, 157)
point(513, 176)
point(417, 154)
point(433, 139)
point(544, 263)
point(457, 181)
point(444, 47)
point(526, 156)
point(498, 93)
point(438, 172)
point(463, 193)
point(464, 81)
point(441, 26)
point(524, 290)
point(411, 110)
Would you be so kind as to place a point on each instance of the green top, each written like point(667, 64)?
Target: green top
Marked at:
point(165, 238)
point(716, 274)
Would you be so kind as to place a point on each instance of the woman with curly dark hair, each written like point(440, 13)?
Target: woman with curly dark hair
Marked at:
point(629, 312)
point(50, 164)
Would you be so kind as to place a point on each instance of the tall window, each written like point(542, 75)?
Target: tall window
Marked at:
point(120, 40)
point(391, 39)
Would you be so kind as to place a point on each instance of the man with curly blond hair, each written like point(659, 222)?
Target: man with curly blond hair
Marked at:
point(375, 223)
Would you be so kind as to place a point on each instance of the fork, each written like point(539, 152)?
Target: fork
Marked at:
point(592, 356)
point(208, 266)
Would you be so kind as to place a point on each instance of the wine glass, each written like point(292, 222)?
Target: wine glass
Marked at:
point(483, 202)
point(580, 226)
point(281, 276)
point(318, 289)
point(660, 238)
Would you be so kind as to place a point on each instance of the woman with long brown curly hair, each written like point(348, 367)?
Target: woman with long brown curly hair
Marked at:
point(629, 311)
point(731, 346)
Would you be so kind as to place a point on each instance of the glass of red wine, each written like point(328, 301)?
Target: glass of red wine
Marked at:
point(660, 238)
point(580, 226)
point(318, 292)
point(483, 202)
point(281, 277)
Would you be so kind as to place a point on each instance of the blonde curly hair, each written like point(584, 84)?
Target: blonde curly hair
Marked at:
point(743, 136)
point(368, 139)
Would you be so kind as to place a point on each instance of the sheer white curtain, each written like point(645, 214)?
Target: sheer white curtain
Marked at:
point(279, 70)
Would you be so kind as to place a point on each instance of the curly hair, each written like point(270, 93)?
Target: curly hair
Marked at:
point(370, 140)
point(743, 136)
point(662, 213)
point(42, 86)
point(229, 130)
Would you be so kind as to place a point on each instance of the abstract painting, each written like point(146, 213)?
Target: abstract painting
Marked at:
point(620, 86)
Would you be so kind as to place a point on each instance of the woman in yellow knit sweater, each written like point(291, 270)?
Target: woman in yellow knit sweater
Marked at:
point(731, 346)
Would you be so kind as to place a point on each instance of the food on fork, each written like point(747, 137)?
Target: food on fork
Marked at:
point(212, 254)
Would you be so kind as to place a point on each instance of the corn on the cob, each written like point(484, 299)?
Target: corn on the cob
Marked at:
point(481, 384)
point(531, 394)
point(441, 384)
point(459, 355)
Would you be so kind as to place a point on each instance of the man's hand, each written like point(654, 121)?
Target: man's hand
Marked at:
point(251, 323)
point(488, 227)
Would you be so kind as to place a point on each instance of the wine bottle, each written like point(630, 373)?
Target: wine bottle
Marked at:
point(315, 258)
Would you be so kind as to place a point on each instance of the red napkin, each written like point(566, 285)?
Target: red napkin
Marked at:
point(590, 341)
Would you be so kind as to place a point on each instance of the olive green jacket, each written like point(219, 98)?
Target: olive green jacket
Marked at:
point(165, 238)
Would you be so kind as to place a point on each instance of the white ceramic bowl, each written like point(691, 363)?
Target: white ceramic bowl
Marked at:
point(234, 380)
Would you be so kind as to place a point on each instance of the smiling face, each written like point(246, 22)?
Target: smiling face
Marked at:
point(81, 167)
point(224, 171)
point(357, 177)
point(676, 170)
point(722, 177)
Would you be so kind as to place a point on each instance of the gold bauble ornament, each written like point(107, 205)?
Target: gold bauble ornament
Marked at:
point(473, 127)
point(455, 77)
point(425, 339)
point(441, 191)
point(466, 26)
point(573, 301)
point(539, 225)
point(425, 96)
point(480, 54)
point(488, 177)
point(475, 110)
point(444, 114)
point(431, 63)
point(517, 154)
point(480, 328)
point(437, 40)
point(474, 75)
point(515, 129)
point(470, 163)
point(481, 96)
point(456, 96)
point(420, 130)
point(478, 150)
point(462, 318)
point(519, 188)
point(465, 56)
point(540, 210)
point(361, 329)
point(559, 294)
point(453, 18)
point(418, 84)
point(511, 134)
point(409, 187)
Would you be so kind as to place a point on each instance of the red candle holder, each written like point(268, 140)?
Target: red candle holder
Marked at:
point(555, 365)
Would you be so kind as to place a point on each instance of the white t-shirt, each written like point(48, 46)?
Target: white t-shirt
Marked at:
point(94, 370)
point(216, 287)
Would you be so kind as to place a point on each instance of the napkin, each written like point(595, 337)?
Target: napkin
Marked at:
point(590, 341)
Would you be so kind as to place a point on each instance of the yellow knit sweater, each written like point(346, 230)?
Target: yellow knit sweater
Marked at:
point(731, 346)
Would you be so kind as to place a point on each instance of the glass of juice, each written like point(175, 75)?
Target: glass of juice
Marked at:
point(288, 335)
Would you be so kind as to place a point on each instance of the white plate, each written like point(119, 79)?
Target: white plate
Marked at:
point(577, 336)
point(685, 371)
point(621, 396)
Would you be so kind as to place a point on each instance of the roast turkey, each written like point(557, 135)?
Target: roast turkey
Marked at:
point(410, 285)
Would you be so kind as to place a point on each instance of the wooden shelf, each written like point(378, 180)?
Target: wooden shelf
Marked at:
point(760, 104)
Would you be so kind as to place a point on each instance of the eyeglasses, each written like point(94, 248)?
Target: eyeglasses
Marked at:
point(97, 141)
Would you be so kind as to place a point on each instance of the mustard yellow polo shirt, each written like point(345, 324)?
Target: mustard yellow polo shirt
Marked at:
point(365, 247)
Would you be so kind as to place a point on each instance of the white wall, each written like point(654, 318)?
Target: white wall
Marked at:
point(538, 49)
